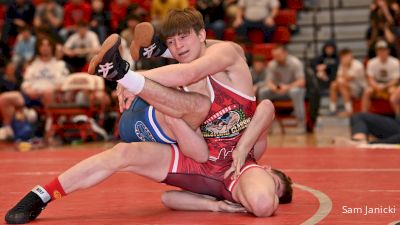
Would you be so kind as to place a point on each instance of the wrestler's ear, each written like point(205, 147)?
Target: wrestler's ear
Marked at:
point(202, 35)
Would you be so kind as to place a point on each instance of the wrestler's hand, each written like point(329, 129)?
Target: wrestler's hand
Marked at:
point(239, 158)
point(227, 206)
point(125, 98)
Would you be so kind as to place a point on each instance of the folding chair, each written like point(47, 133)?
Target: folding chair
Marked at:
point(74, 107)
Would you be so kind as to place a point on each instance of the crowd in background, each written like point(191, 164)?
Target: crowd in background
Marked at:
point(46, 40)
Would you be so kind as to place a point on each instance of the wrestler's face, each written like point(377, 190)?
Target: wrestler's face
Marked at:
point(278, 185)
point(186, 47)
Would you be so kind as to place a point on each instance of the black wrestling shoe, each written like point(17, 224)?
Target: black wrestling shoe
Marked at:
point(108, 63)
point(146, 42)
point(26, 210)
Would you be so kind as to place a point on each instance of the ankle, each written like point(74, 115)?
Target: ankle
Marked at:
point(42, 193)
point(54, 189)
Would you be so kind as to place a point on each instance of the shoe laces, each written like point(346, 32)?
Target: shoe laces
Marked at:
point(148, 52)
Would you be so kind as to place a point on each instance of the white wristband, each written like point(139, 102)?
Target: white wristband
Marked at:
point(133, 82)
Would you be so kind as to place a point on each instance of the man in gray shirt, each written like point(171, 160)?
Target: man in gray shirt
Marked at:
point(285, 80)
point(256, 14)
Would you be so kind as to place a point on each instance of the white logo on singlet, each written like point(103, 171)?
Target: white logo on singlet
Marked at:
point(149, 50)
point(104, 69)
point(223, 153)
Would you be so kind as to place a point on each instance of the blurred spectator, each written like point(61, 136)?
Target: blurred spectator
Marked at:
point(118, 10)
point(286, 80)
point(81, 47)
point(214, 15)
point(395, 102)
point(256, 15)
point(160, 8)
point(24, 48)
point(10, 78)
point(383, 75)
point(258, 72)
point(231, 8)
point(124, 50)
point(100, 20)
point(131, 21)
point(325, 66)
point(386, 130)
point(49, 15)
point(382, 19)
point(41, 78)
point(74, 12)
point(350, 81)
point(5, 54)
point(19, 13)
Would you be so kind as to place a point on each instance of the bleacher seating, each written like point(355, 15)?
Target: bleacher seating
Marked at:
point(264, 49)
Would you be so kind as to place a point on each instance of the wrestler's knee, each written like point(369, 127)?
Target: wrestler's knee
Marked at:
point(166, 198)
point(122, 155)
point(268, 106)
point(262, 205)
point(201, 106)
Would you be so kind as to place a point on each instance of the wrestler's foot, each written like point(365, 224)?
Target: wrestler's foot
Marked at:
point(108, 63)
point(146, 43)
point(27, 209)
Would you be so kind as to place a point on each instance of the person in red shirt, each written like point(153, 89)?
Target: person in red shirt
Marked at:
point(74, 12)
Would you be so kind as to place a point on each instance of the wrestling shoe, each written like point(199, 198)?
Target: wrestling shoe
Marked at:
point(28, 208)
point(146, 42)
point(108, 63)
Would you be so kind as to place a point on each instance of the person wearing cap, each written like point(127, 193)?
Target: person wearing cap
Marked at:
point(382, 75)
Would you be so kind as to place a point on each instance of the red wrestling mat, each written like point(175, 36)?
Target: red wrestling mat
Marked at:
point(334, 186)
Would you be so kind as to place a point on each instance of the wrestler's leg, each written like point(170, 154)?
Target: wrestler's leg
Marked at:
point(256, 191)
point(143, 158)
point(151, 160)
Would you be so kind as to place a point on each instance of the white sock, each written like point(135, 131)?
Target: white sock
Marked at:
point(42, 193)
point(348, 107)
point(332, 106)
point(133, 82)
point(167, 54)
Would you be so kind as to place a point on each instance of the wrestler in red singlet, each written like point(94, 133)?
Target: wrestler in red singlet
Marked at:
point(230, 114)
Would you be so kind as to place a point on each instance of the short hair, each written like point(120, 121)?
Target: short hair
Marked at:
point(287, 194)
point(280, 46)
point(181, 21)
point(41, 40)
point(82, 23)
point(24, 28)
point(345, 51)
point(133, 17)
point(258, 58)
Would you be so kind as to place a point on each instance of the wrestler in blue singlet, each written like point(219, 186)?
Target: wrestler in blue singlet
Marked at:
point(139, 124)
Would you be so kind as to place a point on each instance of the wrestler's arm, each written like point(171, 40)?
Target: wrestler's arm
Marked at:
point(187, 73)
point(256, 133)
point(189, 201)
point(255, 136)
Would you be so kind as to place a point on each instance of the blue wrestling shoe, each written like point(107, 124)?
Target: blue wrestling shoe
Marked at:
point(146, 42)
point(108, 63)
point(26, 210)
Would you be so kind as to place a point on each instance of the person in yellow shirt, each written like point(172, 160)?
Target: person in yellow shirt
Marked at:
point(160, 8)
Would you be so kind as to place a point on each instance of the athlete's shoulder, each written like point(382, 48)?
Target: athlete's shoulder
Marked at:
point(222, 48)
